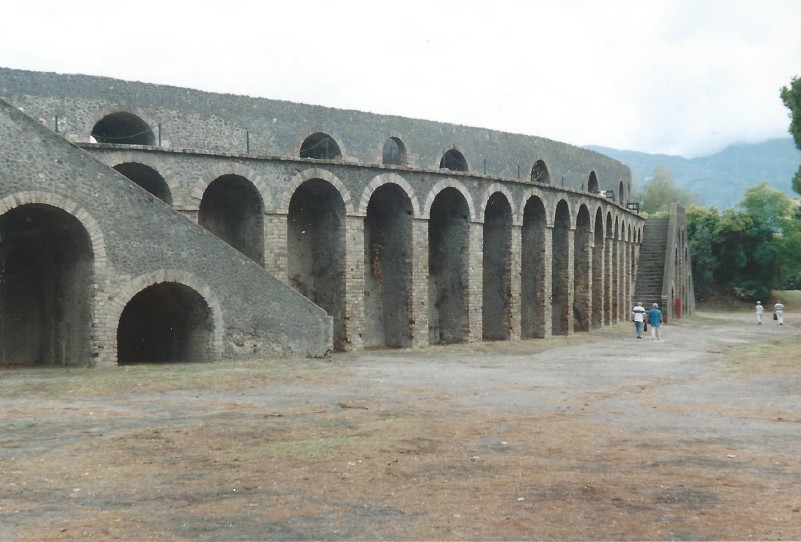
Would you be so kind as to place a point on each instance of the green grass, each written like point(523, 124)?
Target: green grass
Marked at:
point(790, 298)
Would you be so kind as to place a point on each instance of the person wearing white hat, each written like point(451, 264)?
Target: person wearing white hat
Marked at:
point(759, 310)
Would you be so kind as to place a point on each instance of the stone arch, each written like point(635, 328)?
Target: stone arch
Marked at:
point(123, 128)
point(582, 264)
point(561, 303)
point(592, 183)
point(232, 209)
point(454, 160)
point(147, 178)
point(388, 259)
point(448, 267)
point(307, 175)
point(47, 276)
point(622, 193)
point(137, 321)
point(497, 268)
point(218, 170)
point(490, 191)
point(610, 292)
point(598, 286)
point(442, 185)
point(384, 179)
point(540, 173)
point(533, 268)
point(320, 146)
point(394, 152)
point(316, 227)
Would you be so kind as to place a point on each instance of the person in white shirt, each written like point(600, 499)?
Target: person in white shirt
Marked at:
point(638, 317)
point(778, 310)
point(759, 310)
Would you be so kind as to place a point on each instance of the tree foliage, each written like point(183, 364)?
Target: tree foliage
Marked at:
point(791, 96)
point(661, 191)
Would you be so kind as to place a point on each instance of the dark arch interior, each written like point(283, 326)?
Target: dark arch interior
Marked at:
point(45, 284)
point(539, 173)
point(532, 279)
point(497, 272)
point(598, 286)
point(387, 262)
point(320, 146)
point(231, 209)
point(148, 178)
point(166, 322)
point(560, 279)
point(581, 271)
point(124, 129)
point(316, 249)
point(394, 152)
point(592, 184)
point(453, 160)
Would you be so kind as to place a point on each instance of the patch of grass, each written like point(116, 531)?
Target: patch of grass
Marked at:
point(779, 356)
point(790, 298)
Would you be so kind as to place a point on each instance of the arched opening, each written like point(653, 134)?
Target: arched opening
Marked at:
point(123, 129)
point(453, 160)
point(45, 287)
point(148, 178)
point(540, 173)
point(532, 275)
point(614, 243)
point(621, 193)
point(497, 269)
point(165, 322)
point(388, 268)
point(232, 210)
point(560, 271)
point(448, 253)
point(598, 285)
point(610, 316)
point(320, 146)
point(394, 152)
point(581, 271)
point(592, 184)
point(316, 249)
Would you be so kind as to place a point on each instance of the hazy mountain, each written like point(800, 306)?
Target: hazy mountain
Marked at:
point(722, 178)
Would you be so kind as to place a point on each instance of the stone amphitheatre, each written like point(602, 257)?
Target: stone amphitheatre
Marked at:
point(148, 223)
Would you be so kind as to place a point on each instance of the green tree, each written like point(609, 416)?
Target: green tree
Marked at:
point(661, 191)
point(791, 96)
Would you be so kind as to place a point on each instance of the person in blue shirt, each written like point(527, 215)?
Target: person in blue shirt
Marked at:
point(655, 320)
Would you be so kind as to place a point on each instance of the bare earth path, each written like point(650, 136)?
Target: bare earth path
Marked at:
point(593, 437)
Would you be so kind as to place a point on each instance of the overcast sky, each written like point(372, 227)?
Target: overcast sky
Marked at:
point(682, 77)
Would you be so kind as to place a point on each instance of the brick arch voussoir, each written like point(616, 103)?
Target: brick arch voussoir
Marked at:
point(132, 287)
point(307, 175)
point(384, 179)
point(220, 169)
point(442, 185)
point(73, 208)
point(488, 193)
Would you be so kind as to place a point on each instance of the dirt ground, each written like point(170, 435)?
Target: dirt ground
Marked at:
point(594, 437)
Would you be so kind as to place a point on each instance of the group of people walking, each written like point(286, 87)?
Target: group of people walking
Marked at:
point(643, 319)
point(778, 312)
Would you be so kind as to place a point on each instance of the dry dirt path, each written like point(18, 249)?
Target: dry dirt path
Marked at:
point(592, 437)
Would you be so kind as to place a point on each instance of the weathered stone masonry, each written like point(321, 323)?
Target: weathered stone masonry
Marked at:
point(406, 232)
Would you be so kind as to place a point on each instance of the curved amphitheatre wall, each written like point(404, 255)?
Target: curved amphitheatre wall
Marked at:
point(398, 250)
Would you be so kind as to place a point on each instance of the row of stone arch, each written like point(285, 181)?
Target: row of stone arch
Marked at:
point(125, 128)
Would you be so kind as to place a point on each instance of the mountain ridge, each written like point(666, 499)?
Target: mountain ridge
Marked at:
point(718, 179)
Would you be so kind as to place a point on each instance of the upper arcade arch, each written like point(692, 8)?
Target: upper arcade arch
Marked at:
point(540, 173)
point(320, 146)
point(384, 179)
point(592, 183)
point(454, 160)
point(307, 175)
point(394, 152)
point(123, 128)
point(442, 185)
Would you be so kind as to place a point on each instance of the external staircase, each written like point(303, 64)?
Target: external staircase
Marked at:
point(651, 263)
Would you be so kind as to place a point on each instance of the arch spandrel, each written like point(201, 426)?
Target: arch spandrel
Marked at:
point(442, 185)
point(381, 180)
point(282, 207)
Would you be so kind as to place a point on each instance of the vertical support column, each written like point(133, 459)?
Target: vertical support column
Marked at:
point(614, 246)
point(545, 285)
point(571, 281)
point(275, 246)
point(418, 303)
point(353, 311)
point(515, 283)
point(475, 287)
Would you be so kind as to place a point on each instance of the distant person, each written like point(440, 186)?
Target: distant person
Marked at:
point(759, 310)
point(638, 317)
point(778, 312)
point(655, 320)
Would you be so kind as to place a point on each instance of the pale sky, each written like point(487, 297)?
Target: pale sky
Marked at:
point(682, 77)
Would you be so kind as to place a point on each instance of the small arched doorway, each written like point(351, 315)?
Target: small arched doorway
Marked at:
point(123, 129)
point(148, 178)
point(453, 160)
point(320, 146)
point(232, 210)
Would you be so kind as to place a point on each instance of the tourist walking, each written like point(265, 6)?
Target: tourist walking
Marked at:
point(778, 312)
point(759, 310)
point(638, 317)
point(655, 320)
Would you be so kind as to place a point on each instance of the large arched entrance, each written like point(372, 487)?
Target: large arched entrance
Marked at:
point(448, 253)
point(497, 271)
point(232, 210)
point(45, 287)
point(598, 264)
point(388, 268)
point(560, 272)
point(532, 279)
point(316, 249)
point(165, 322)
point(581, 271)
